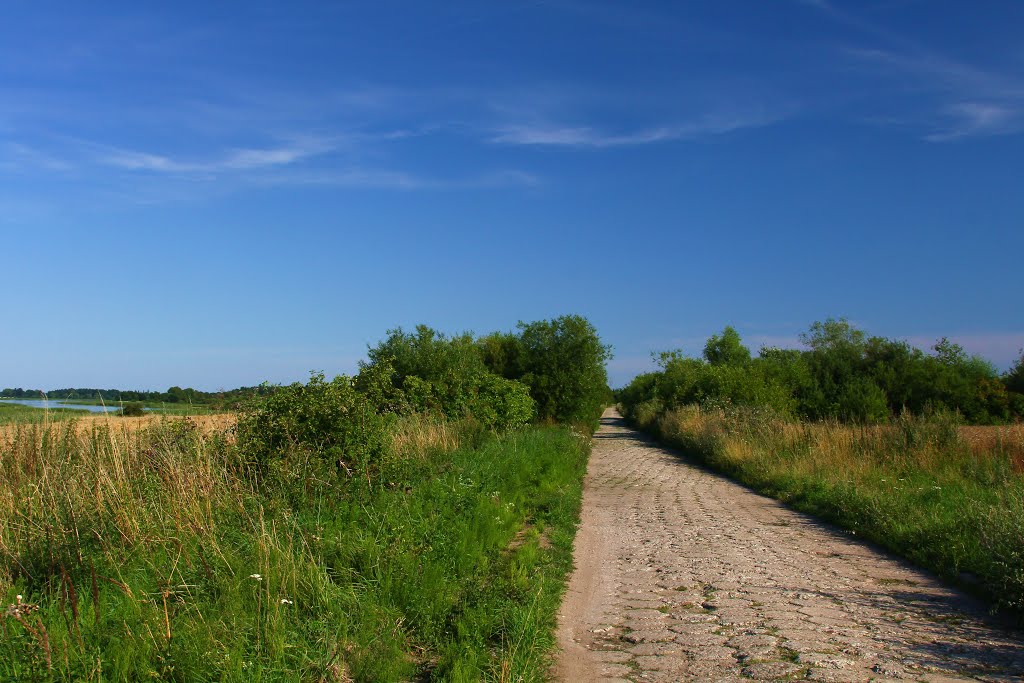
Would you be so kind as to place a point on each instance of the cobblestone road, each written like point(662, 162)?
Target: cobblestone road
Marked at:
point(685, 576)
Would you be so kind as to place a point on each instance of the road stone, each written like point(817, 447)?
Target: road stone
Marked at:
point(693, 574)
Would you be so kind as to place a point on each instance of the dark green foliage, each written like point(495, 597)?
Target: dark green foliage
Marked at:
point(429, 372)
point(726, 349)
point(841, 375)
point(1014, 379)
point(686, 381)
point(553, 370)
point(429, 355)
point(133, 409)
point(563, 363)
point(502, 353)
point(330, 420)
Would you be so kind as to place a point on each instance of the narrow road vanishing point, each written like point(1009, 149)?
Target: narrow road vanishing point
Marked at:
point(683, 575)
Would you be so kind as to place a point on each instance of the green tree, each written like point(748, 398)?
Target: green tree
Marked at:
point(176, 395)
point(836, 360)
point(427, 371)
point(502, 353)
point(1014, 379)
point(564, 365)
point(726, 349)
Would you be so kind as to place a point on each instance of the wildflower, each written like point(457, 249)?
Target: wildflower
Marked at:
point(256, 576)
point(286, 601)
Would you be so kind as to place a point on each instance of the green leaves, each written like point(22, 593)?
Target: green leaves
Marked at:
point(563, 362)
point(328, 419)
point(842, 374)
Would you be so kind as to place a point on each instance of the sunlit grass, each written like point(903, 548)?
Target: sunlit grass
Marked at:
point(157, 553)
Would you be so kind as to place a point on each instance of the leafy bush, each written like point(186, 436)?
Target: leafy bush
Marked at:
point(553, 370)
point(1014, 379)
point(726, 349)
point(330, 420)
point(133, 409)
point(563, 363)
point(426, 371)
point(841, 375)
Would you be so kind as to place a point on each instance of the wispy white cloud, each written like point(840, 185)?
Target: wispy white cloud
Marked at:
point(587, 136)
point(979, 118)
point(15, 156)
point(965, 100)
point(383, 179)
point(242, 159)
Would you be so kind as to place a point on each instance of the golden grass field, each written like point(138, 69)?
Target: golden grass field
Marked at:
point(85, 425)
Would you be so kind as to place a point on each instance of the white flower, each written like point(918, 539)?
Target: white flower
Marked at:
point(256, 576)
point(286, 601)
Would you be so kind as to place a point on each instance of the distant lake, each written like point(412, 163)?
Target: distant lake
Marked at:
point(58, 403)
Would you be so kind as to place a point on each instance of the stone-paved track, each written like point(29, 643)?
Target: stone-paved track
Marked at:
point(682, 575)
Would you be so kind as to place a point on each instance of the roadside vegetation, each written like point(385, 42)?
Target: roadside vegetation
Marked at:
point(412, 522)
point(870, 434)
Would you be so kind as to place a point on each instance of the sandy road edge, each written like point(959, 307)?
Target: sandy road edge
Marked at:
point(592, 576)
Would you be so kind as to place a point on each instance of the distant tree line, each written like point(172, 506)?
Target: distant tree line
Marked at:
point(218, 399)
point(841, 373)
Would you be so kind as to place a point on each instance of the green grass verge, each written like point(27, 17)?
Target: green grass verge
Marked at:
point(157, 557)
point(14, 413)
point(915, 488)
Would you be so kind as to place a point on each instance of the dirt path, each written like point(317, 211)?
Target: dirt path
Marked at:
point(685, 576)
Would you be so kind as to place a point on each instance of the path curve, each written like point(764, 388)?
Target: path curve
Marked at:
point(682, 575)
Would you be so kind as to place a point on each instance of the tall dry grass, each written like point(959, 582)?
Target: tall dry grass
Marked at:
point(161, 552)
point(63, 489)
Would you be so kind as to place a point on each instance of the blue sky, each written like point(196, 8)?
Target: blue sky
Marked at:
point(217, 194)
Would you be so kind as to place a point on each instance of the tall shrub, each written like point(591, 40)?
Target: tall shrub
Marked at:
point(563, 361)
point(330, 420)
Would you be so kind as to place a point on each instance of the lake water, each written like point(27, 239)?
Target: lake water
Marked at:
point(57, 403)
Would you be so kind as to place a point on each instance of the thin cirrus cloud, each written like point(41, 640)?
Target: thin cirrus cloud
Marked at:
point(382, 179)
point(968, 101)
point(586, 136)
point(242, 159)
point(16, 156)
point(979, 118)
